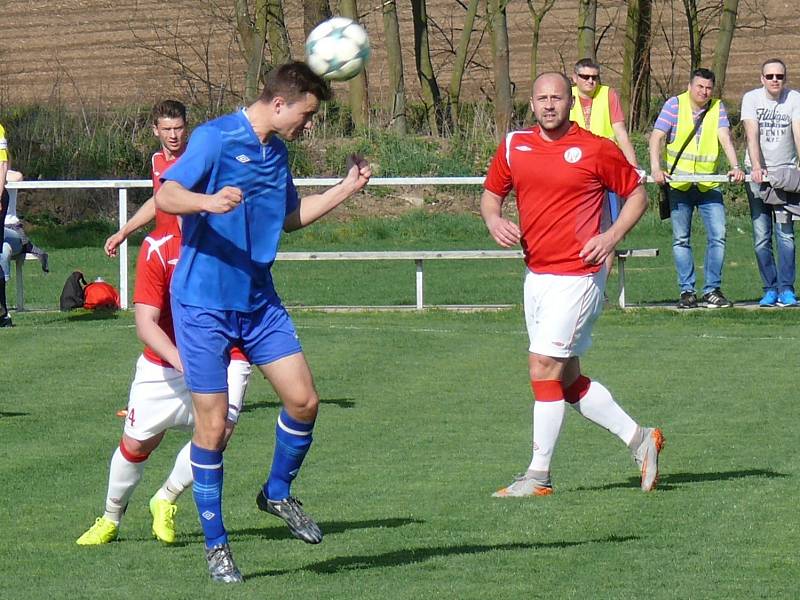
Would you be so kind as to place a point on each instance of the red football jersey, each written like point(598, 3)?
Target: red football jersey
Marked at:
point(559, 187)
point(159, 165)
point(154, 267)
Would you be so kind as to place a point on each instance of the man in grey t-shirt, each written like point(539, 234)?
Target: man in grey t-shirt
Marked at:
point(771, 118)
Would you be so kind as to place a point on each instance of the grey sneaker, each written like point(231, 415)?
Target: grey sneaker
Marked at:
point(646, 456)
point(290, 510)
point(221, 566)
point(687, 300)
point(525, 485)
point(716, 299)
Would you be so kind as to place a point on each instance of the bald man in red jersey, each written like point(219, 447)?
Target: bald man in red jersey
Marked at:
point(559, 173)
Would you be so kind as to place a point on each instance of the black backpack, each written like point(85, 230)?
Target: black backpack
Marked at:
point(72, 296)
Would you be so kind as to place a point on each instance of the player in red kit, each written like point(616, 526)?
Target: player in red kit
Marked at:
point(560, 173)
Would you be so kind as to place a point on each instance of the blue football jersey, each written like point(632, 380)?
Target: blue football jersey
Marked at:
point(226, 258)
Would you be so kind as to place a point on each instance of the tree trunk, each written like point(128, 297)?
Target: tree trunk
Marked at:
point(422, 56)
point(587, 24)
point(634, 92)
point(460, 62)
point(359, 103)
point(314, 13)
point(503, 104)
point(251, 35)
point(537, 16)
point(727, 27)
point(394, 56)
point(277, 35)
point(695, 38)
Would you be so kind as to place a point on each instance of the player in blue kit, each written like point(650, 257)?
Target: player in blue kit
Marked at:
point(234, 187)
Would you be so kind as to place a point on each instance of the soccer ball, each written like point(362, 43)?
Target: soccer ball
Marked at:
point(337, 49)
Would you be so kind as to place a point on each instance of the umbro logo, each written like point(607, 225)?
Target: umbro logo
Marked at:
point(208, 515)
point(243, 158)
point(523, 148)
point(157, 173)
point(172, 261)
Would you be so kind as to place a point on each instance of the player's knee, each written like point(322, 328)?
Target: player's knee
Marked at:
point(137, 450)
point(304, 407)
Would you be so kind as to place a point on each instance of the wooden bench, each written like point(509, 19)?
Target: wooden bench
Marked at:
point(419, 256)
point(19, 261)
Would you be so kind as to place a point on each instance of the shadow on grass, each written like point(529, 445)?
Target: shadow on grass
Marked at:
point(328, 527)
point(676, 480)
point(94, 315)
point(340, 402)
point(410, 556)
point(4, 414)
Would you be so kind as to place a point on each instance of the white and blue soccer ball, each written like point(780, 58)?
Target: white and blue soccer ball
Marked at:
point(337, 49)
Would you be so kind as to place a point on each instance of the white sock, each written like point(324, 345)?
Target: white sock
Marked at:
point(599, 406)
point(547, 420)
point(179, 479)
point(123, 477)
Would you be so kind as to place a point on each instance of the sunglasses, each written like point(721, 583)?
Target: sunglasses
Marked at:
point(771, 76)
point(589, 77)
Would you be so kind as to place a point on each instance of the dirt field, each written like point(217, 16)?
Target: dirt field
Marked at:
point(93, 53)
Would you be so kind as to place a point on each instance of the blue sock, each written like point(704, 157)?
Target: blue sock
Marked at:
point(292, 441)
point(207, 491)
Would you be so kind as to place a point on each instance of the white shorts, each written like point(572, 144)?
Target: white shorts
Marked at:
point(159, 399)
point(560, 311)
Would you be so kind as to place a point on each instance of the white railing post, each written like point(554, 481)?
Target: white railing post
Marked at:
point(420, 299)
point(123, 250)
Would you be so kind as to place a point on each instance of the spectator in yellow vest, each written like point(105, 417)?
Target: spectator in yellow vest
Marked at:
point(598, 108)
point(675, 124)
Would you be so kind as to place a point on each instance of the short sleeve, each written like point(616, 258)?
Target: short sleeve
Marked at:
point(197, 161)
point(292, 199)
point(615, 107)
point(749, 107)
point(723, 116)
point(498, 178)
point(616, 173)
point(151, 275)
point(795, 112)
point(668, 117)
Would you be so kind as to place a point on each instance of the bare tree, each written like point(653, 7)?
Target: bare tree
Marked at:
point(587, 25)
point(459, 64)
point(503, 104)
point(727, 27)
point(635, 88)
point(695, 35)
point(251, 33)
point(422, 55)
point(359, 100)
point(394, 56)
point(537, 16)
point(314, 13)
point(277, 34)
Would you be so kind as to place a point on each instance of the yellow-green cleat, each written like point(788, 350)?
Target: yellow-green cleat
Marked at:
point(102, 532)
point(163, 512)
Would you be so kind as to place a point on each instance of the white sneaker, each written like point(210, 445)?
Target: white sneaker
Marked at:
point(525, 485)
point(646, 456)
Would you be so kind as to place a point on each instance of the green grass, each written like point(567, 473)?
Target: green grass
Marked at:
point(422, 417)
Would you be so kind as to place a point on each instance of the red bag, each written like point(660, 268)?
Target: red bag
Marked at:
point(100, 294)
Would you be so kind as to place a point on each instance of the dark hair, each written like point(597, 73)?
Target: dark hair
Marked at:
point(292, 81)
point(703, 74)
point(775, 61)
point(586, 63)
point(168, 109)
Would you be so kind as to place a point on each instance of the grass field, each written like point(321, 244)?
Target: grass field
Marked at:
point(423, 416)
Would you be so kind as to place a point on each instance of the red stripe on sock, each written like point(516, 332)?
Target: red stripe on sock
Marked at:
point(577, 390)
point(547, 390)
point(130, 456)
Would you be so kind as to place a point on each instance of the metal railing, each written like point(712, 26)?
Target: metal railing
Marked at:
point(123, 185)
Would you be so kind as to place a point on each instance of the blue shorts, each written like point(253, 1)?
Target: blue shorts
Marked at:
point(205, 338)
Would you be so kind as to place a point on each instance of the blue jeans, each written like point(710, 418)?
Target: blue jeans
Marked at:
point(709, 205)
point(781, 278)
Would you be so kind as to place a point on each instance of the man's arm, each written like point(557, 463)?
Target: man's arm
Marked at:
point(724, 136)
point(148, 330)
point(656, 145)
point(599, 247)
point(3, 175)
point(624, 143)
point(751, 133)
point(175, 199)
point(506, 233)
point(316, 206)
point(796, 135)
point(145, 214)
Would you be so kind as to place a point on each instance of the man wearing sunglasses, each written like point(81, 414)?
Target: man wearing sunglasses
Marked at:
point(771, 117)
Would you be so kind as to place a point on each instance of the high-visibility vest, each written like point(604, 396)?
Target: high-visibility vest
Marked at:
point(698, 158)
point(600, 122)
